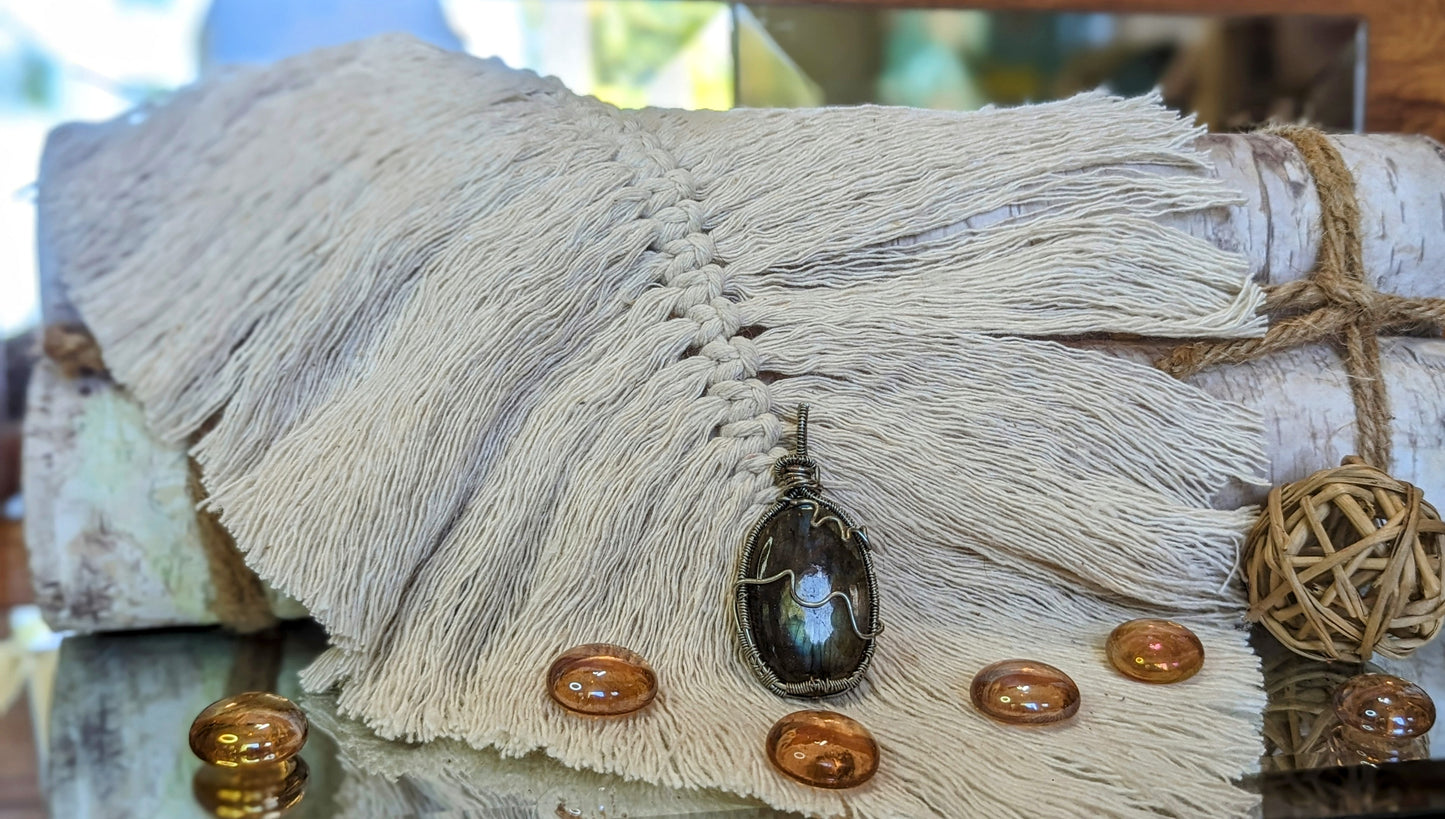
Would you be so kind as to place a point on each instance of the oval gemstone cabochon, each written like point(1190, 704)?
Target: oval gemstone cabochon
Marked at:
point(824, 749)
point(1384, 705)
point(250, 728)
point(811, 552)
point(1155, 651)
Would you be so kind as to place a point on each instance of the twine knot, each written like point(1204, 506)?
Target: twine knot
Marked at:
point(1336, 303)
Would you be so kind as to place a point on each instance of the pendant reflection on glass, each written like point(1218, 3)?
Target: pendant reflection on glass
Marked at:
point(806, 598)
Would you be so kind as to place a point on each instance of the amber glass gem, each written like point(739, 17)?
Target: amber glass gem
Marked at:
point(1024, 692)
point(601, 679)
point(264, 791)
point(1384, 705)
point(1155, 651)
point(253, 728)
point(1348, 746)
point(823, 748)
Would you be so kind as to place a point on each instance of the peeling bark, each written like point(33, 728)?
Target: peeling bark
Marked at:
point(114, 539)
point(1400, 182)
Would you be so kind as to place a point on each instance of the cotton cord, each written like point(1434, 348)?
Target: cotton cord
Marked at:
point(240, 602)
point(1335, 303)
point(495, 370)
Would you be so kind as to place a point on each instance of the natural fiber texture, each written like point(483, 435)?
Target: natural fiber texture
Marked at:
point(1336, 303)
point(1346, 563)
point(497, 370)
point(241, 603)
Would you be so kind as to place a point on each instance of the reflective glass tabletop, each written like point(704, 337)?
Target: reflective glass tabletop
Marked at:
point(112, 721)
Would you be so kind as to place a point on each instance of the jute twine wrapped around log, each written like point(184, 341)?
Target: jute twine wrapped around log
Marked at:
point(1347, 563)
point(1335, 303)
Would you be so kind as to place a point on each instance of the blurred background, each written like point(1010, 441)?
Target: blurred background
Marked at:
point(63, 60)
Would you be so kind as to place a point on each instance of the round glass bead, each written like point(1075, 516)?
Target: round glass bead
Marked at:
point(1155, 651)
point(824, 749)
point(600, 679)
point(253, 728)
point(1384, 705)
point(1024, 692)
point(255, 792)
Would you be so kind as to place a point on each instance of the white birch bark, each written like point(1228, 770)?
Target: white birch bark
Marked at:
point(1275, 226)
point(1303, 396)
point(1400, 183)
point(110, 528)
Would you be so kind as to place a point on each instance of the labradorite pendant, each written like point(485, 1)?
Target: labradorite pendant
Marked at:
point(806, 597)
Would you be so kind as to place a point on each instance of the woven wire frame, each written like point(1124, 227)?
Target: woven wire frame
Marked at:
point(765, 675)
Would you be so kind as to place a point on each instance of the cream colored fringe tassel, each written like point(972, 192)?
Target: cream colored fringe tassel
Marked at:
point(483, 370)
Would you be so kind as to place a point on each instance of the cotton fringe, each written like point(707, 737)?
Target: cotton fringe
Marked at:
point(492, 370)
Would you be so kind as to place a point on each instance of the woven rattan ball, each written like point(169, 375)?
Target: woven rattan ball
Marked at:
point(1347, 563)
point(1299, 715)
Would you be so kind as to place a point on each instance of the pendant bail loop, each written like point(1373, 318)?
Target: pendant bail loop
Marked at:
point(792, 472)
point(800, 445)
point(798, 470)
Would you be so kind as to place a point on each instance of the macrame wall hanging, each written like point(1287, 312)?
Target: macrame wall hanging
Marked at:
point(479, 370)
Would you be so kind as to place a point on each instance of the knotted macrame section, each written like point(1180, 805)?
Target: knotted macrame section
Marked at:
point(482, 370)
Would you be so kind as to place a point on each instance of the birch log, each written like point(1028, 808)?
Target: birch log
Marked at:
point(1303, 396)
point(113, 536)
point(114, 542)
point(1400, 182)
point(1275, 225)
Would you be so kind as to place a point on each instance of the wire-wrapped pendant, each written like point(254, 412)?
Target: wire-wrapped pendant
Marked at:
point(806, 597)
